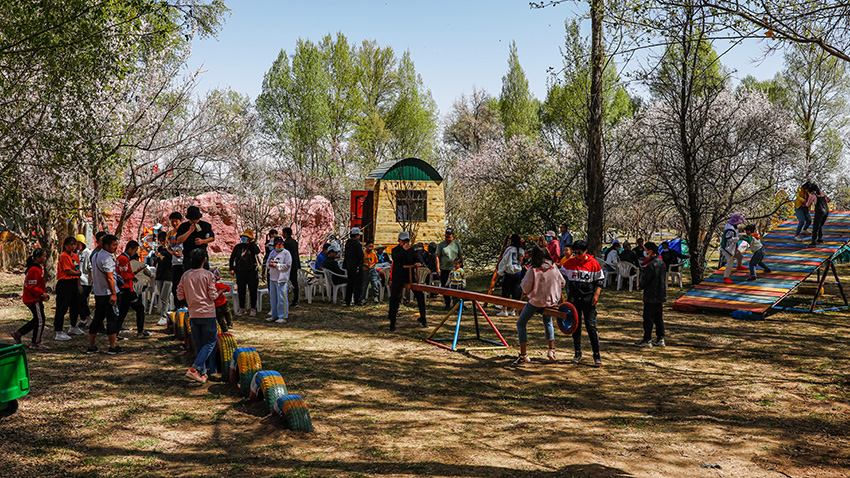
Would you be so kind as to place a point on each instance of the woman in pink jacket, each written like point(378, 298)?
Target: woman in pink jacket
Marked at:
point(543, 284)
point(197, 288)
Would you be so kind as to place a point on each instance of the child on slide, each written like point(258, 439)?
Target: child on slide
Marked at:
point(729, 246)
point(753, 239)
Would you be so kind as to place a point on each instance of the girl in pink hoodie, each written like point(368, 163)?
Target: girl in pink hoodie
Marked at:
point(543, 284)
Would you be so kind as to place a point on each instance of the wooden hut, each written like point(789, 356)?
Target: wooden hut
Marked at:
point(405, 194)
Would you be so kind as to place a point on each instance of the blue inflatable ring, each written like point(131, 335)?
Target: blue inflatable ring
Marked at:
point(570, 324)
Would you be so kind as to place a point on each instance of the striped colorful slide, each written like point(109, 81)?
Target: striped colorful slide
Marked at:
point(791, 263)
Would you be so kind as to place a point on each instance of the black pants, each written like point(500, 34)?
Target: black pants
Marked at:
point(247, 281)
point(67, 297)
point(223, 316)
point(396, 291)
point(510, 286)
point(83, 309)
point(444, 282)
point(588, 312)
point(354, 286)
point(103, 312)
point(176, 274)
point(653, 314)
point(293, 278)
point(36, 324)
point(817, 225)
point(127, 300)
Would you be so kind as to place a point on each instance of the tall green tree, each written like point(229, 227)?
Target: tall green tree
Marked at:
point(517, 106)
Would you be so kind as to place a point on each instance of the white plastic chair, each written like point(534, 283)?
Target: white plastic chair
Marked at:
point(154, 299)
point(308, 283)
point(610, 272)
point(677, 274)
point(319, 277)
point(260, 294)
point(332, 288)
point(624, 272)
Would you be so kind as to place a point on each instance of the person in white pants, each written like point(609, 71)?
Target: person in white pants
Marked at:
point(279, 264)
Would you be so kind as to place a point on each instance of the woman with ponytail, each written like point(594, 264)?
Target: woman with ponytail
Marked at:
point(35, 293)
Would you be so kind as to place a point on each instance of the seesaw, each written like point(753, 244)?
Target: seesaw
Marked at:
point(565, 316)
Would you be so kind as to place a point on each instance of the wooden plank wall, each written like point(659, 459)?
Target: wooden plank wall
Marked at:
point(386, 227)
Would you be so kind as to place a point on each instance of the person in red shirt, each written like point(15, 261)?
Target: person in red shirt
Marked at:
point(67, 290)
point(35, 293)
point(222, 311)
point(127, 297)
point(584, 283)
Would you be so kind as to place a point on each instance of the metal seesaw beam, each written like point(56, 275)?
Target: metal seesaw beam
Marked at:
point(482, 298)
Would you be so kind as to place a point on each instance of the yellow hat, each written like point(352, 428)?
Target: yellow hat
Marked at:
point(81, 239)
point(249, 234)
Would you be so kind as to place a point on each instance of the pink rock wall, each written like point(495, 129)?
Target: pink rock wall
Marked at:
point(218, 209)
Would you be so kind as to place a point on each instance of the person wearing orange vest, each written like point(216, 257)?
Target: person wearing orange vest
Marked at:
point(67, 293)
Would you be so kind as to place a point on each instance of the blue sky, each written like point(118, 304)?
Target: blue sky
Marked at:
point(455, 45)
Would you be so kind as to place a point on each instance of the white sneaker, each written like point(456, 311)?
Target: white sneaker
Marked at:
point(502, 313)
point(252, 313)
point(162, 321)
point(270, 314)
point(75, 331)
point(62, 336)
point(280, 321)
point(513, 313)
point(237, 311)
point(798, 238)
point(270, 319)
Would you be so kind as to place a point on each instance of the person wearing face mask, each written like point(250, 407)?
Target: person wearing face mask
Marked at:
point(127, 297)
point(243, 265)
point(553, 246)
point(279, 264)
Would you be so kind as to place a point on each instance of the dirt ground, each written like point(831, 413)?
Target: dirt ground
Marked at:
point(726, 398)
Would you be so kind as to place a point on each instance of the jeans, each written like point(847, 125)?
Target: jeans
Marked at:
point(67, 298)
point(653, 314)
point(804, 219)
point(203, 338)
point(756, 260)
point(525, 316)
point(278, 297)
point(247, 281)
point(588, 312)
point(370, 278)
point(163, 288)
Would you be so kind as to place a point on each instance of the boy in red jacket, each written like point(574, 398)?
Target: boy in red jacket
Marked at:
point(35, 293)
point(222, 311)
point(128, 298)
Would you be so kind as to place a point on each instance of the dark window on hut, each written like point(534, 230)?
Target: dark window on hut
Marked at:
point(411, 206)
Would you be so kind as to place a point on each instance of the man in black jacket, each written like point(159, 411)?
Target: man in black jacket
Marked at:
point(291, 245)
point(243, 264)
point(653, 282)
point(404, 261)
point(353, 263)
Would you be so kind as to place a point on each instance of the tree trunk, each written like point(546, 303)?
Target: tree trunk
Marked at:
point(595, 175)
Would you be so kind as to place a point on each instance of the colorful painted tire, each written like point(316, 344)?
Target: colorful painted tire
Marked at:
point(170, 321)
point(294, 412)
point(571, 323)
point(187, 335)
point(224, 348)
point(249, 364)
point(257, 388)
point(272, 394)
point(180, 328)
point(234, 363)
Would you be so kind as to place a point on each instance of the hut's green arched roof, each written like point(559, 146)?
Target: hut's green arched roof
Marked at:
point(408, 169)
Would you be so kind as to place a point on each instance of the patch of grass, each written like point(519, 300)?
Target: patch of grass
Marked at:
point(180, 416)
point(145, 443)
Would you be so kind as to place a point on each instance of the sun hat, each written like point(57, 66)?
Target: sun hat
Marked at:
point(249, 234)
point(193, 213)
point(355, 231)
point(737, 218)
point(550, 234)
point(81, 239)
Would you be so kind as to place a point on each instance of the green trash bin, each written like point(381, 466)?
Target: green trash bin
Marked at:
point(14, 377)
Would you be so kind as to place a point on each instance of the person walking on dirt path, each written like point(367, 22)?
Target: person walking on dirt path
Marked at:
point(34, 295)
point(243, 264)
point(291, 245)
point(105, 291)
point(67, 290)
point(404, 260)
point(447, 252)
point(585, 278)
point(653, 283)
point(83, 309)
point(543, 284)
point(197, 288)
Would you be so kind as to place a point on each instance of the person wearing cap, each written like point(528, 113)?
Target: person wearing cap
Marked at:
point(83, 309)
point(332, 264)
point(584, 284)
point(243, 265)
point(553, 245)
point(404, 261)
point(729, 246)
point(195, 233)
point(447, 252)
point(291, 245)
point(353, 265)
